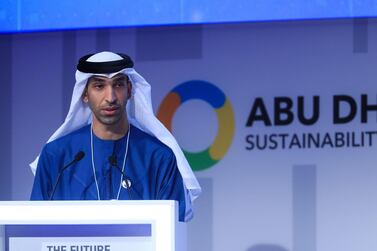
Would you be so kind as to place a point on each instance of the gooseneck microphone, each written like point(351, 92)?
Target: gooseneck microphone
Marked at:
point(114, 163)
point(77, 158)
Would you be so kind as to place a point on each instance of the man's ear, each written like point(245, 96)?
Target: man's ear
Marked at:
point(129, 89)
point(84, 95)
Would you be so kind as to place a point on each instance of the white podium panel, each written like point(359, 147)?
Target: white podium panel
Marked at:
point(89, 226)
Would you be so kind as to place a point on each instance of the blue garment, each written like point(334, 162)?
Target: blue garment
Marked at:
point(150, 166)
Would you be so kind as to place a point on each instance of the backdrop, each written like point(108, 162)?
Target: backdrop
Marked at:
point(277, 119)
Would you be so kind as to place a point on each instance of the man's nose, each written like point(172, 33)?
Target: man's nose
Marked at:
point(110, 95)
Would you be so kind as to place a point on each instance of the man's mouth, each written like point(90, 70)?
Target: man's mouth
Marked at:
point(109, 111)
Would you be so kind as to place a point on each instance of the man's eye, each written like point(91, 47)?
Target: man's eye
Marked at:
point(98, 86)
point(119, 84)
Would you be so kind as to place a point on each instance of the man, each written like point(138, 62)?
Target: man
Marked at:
point(110, 144)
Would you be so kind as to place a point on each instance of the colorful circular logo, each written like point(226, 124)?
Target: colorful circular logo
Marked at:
point(202, 90)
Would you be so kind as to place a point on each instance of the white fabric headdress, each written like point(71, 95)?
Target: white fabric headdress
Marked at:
point(140, 114)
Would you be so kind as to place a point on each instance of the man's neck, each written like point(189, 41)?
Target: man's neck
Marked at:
point(110, 132)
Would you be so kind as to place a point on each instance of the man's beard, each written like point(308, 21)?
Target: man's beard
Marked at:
point(109, 120)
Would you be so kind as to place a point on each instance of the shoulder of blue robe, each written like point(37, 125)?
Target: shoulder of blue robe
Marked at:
point(53, 157)
point(166, 172)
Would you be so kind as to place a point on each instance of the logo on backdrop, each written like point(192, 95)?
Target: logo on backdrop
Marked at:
point(344, 109)
point(340, 127)
point(211, 94)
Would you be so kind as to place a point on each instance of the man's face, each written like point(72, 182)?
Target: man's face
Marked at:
point(107, 98)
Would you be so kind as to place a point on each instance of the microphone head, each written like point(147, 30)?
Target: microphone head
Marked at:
point(79, 156)
point(113, 160)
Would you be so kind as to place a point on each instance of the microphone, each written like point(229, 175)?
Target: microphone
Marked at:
point(77, 158)
point(114, 163)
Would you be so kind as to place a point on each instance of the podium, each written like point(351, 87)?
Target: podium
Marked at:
point(90, 226)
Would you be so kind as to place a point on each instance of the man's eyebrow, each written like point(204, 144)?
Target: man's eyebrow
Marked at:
point(97, 79)
point(119, 77)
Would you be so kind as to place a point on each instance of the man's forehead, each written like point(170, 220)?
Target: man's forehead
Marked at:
point(101, 77)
